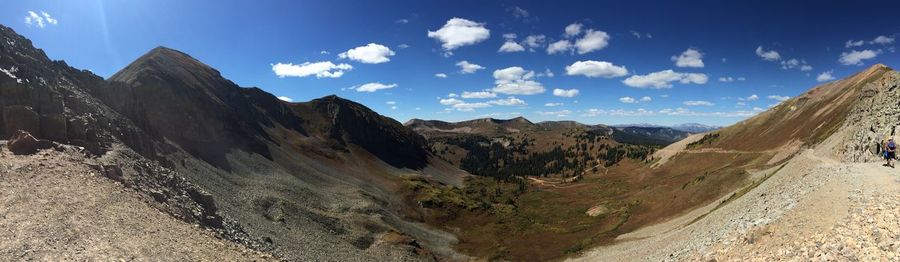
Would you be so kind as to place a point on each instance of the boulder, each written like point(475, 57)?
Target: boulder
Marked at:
point(21, 118)
point(23, 143)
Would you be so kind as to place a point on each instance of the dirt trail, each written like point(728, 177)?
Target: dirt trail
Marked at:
point(812, 208)
point(53, 207)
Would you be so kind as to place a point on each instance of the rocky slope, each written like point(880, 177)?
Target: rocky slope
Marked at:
point(813, 191)
point(298, 180)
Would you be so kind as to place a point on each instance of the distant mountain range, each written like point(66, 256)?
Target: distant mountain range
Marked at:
point(686, 127)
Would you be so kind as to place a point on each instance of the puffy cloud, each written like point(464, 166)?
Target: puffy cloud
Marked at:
point(450, 101)
point(628, 100)
point(319, 69)
point(884, 40)
point(778, 98)
point(546, 73)
point(560, 46)
point(403, 46)
point(40, 20)
point(664, 79)
point(565, 93)
point(458, 32)
point(479, 94)
point(509, 101)
point(511, 46)
point(452, 95)
point(794, 63)
point(825, 76)
point(592, 68)
point(560, 113)
point(553, 104)
point(646, 99)
point(467, 68)
point(851, 43)
point(516, 81)
point(698, 103)
point(689, 58)
point(770, 55)
point(591, 41)
point(468, 107)
point(726, 79)
point(440, 75)
point(856, 57)
point(402, 21)
point(573, 29)
point(391, 102)
point(372, 87)
point(370, 54)
point(286, 99)
point(533, 41)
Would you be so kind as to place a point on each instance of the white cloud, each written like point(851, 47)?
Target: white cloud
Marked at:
point(573, 29)
point(467, 68)
point(592, 68)
point(533, 41)
point(479, 94)
point(560, 113)
point(698, 103)
point(372, 87)
point(391, 102)
point(560, 46)
point(726, 79)
point(546, 73)
point(403, 46)
point(40, 20)
point(646, 99)
point(402, 21)
point(553, 104)
point(286, 99)
point(370, 54)
point(778, 98)
point(617, 112)
point(516, 81)
point(565, 93)
point(440, 75)
point(592, 41)
point(509, 101)
point(825, 76)
point(741, 78)
point(856, 57)
point(450, 101)
point(511, 46)
point(393, 107)
point(628, 100)
point(458, 32)
point(664, 79)
point(770, 55)
point(794, 63)
point(324, 69)
point(851, 43)
point(468, 107)
point(324, 52)
point(689, 58)
point(884, 40)
point(752, 97)
point(638, 35)
point(452, 95)
point(509, 36)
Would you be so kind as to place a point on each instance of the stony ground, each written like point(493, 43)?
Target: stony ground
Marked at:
point(812, 209)
point(54, 207)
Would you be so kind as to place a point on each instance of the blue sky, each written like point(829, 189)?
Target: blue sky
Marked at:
point(662, 62)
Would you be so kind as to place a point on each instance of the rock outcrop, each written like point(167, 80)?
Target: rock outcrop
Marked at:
point(23, 143)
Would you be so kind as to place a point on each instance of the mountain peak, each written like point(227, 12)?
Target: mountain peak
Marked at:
point(167, 63)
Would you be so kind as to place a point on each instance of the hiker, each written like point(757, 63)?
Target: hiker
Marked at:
point(889, 152)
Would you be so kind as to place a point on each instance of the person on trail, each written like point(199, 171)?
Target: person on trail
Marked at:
point(890, 149)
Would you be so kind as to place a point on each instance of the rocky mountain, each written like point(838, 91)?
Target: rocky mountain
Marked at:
point(298, 180)
point(170, 137)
